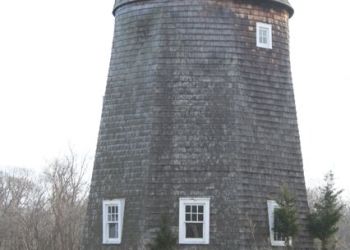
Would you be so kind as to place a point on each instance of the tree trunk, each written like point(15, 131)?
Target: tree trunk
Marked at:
point(288, 243)
point(324, 245)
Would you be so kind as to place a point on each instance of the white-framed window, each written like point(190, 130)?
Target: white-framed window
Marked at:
point(194, 220)
point(277, 239)
point(264, 35)
point(112, 221)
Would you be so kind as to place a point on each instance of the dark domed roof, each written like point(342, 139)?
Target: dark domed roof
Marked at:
point(286, 4)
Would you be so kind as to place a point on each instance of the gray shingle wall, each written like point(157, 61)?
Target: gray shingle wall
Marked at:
point(194, 109)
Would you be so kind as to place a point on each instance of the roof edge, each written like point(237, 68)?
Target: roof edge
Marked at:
point(284, 3)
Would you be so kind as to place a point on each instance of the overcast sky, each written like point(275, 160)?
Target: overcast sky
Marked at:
point(54, 58)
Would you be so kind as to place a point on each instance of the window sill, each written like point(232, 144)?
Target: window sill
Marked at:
point(194, 242)
point(111, 242)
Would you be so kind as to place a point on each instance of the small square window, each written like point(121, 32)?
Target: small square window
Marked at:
point(264, 35)
point(112, 218)
point(277, 239)
point(194, 221)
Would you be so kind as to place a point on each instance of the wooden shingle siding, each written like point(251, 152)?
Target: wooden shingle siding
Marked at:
point(194, 109)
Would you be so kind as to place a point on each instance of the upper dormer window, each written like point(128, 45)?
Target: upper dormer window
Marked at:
point(264, 35)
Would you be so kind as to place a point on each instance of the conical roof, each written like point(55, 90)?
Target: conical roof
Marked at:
point(286, 4)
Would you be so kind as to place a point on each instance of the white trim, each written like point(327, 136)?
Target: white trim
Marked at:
point(205, 202)
point(268, 28)
point(271, 206)
point(120, 203)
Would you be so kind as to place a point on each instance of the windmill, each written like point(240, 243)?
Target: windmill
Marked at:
point(198, 124)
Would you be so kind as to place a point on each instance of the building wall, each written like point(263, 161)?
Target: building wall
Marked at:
point(194, 109)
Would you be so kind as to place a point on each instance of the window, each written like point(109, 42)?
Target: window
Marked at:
point(113, 213)
point(277, 239)
point(194, 220)
point(264, 35)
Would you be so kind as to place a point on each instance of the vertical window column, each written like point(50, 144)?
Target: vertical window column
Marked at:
point(277, 239)
point(113, 213)
point(194, 220)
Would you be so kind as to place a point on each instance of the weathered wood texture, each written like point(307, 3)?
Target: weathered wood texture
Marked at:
point(194, 109)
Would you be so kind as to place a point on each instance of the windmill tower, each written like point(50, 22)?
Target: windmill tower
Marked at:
point(199, 124)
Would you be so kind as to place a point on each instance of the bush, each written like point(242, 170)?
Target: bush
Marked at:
point(164, 240)
point(286, 216)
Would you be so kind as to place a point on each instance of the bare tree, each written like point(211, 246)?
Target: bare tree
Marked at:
point(68, 193)
point(44, 212)
point(35, 220)
point(15, 191)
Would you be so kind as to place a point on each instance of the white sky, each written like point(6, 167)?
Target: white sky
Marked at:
point(54, 58)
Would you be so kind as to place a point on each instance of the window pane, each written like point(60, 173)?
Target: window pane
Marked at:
point(188, 209)
point(264, 39)
point(188, 217)
point(200, 217)
point(194, 209)
point(194, 230)
point(200, 209)
point(194, 217)
point(277, 236)
point(261, 39)
point(113, 230)
point(263, 35)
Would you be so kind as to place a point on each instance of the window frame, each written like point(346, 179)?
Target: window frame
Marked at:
point(205, 202)
point(264, 26)
point(120, 203)
point(271, 206)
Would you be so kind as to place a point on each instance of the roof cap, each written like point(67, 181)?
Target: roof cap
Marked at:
point(283, 3)
point(286, 5)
